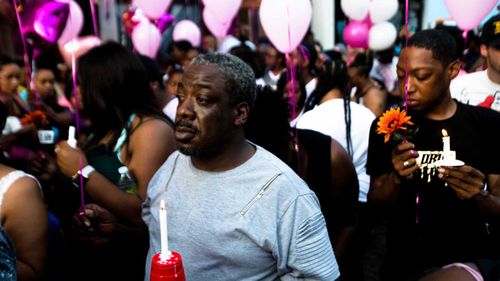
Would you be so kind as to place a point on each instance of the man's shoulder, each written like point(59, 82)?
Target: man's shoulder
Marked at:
point(479, 112)
point(468, 79)
point(287, 178)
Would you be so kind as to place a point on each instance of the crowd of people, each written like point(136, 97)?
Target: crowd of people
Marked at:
point(271, 166)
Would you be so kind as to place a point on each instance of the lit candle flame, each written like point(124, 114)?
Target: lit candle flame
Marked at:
point(445, 134)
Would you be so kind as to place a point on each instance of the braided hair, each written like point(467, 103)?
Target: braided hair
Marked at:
point(334, 76)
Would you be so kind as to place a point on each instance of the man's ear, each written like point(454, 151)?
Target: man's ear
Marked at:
point(241, 113)
point(454, 69)
point(484, 50)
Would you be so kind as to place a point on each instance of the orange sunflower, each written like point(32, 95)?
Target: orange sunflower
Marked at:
point(392, 121)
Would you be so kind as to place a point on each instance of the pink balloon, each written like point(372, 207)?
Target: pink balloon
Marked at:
point(187, 30)
point(469, 14)
point(285, 22)
point(153, 8)
point(50, 20)
point(223, 10)
point(356, 34)
point(165, 21)
point(217, 28)
point(146, 38)
point(79, 46)
point(74, 23)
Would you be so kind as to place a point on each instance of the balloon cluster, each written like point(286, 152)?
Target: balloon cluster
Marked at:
point(145, 22)
point(369, 26)
point(218, 15)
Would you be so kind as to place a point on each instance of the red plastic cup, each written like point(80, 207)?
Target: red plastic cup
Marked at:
point(167, 270)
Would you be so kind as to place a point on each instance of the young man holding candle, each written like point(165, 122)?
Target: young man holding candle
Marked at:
point(436, 215)
point(235, 211)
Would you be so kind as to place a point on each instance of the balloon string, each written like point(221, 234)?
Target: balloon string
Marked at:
point(77, 117)
point(94, 17)
point(406, 57)
point(291, 93)
point(75, 95)
point(25, 46)
point(407, 85)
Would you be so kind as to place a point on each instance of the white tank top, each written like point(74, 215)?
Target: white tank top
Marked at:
point(7, 180)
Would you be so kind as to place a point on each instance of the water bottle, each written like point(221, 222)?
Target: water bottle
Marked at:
point(126, 182)
point(496, 103)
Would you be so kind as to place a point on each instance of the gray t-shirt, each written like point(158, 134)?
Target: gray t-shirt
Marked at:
point(258, 221)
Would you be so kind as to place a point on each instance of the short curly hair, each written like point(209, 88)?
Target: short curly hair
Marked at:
point(240, 79)
point(442, 45)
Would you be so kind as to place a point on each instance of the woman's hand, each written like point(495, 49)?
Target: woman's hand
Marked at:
point(69, 159)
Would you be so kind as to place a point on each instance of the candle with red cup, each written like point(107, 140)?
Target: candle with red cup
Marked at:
point(166, 265)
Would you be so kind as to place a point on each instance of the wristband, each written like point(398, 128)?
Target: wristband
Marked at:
point(85, 173)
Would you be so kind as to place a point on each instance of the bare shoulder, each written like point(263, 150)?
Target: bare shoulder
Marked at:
point(24, 187)
point(24, 195)
point(152, 134)
point(152, 127)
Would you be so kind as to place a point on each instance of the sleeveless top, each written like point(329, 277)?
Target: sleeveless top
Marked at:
point(7, 252)
point(7, 180)
point(107, 163)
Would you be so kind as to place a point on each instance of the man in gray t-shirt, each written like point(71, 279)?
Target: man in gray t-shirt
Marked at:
point(235, 211)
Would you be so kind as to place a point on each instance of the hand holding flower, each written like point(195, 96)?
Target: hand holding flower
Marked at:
point(393, 123)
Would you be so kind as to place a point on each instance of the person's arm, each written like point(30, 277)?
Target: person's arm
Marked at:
point(101, 226)
point(25, 220)
point(345, 186)
point(304, 251)
point(384, 189)
point(150, 145)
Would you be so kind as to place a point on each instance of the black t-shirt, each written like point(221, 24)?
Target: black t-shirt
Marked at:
point(448, 229)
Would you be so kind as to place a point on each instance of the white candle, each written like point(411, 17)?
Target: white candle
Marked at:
point(446, 144)
point(164, 254)
point(71, 137)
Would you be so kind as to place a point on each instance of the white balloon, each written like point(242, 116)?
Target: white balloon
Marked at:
point(146, 38)
point(187, 30)
point(383, 10)
point(382, 36)
point(74, 23)
point(355, 9)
